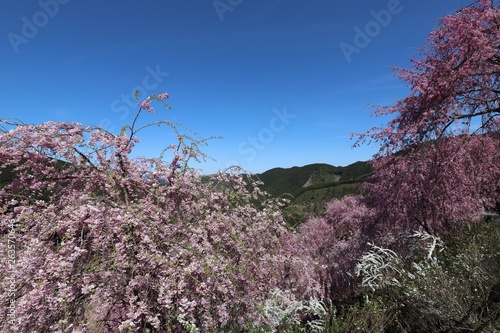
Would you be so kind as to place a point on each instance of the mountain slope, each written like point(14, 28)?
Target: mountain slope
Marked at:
point(312, 186)
point(298, 180)
point(278, 181)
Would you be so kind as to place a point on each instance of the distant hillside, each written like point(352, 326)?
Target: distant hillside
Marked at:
point(298, 180)
point(279, 180)
point(311, 186)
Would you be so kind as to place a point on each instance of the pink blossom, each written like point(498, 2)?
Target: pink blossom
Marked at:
point(108, 241)
point(163, 96)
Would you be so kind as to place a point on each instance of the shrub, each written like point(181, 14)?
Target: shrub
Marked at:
point(450, 288)
point(113, 243)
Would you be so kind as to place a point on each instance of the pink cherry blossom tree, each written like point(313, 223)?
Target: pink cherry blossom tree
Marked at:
point(438, 187)
point(109, 243)
point(454, 86)
point(330, 247)
point(438, 165)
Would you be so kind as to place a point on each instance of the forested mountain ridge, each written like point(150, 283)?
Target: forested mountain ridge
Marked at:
point(296, 180)
point(310, 187)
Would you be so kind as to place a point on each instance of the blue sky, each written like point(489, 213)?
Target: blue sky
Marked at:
point(283, 82)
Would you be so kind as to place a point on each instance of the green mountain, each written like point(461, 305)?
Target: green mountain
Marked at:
point(299, 180)
point(311, 186)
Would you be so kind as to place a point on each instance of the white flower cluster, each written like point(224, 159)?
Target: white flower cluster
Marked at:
point(282, 308)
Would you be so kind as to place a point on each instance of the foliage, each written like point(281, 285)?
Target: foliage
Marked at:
point(461, 289)
point(454, 85)
point(285, 313)
point(332, 244)
point(439, 162)
point(451, 290)
point(376, 266)
point(438, 187)
point(357, 171)
point(448, 287)
point(130, 244)
point(375, 316)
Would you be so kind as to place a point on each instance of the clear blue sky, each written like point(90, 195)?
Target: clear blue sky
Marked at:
point(283, 82)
